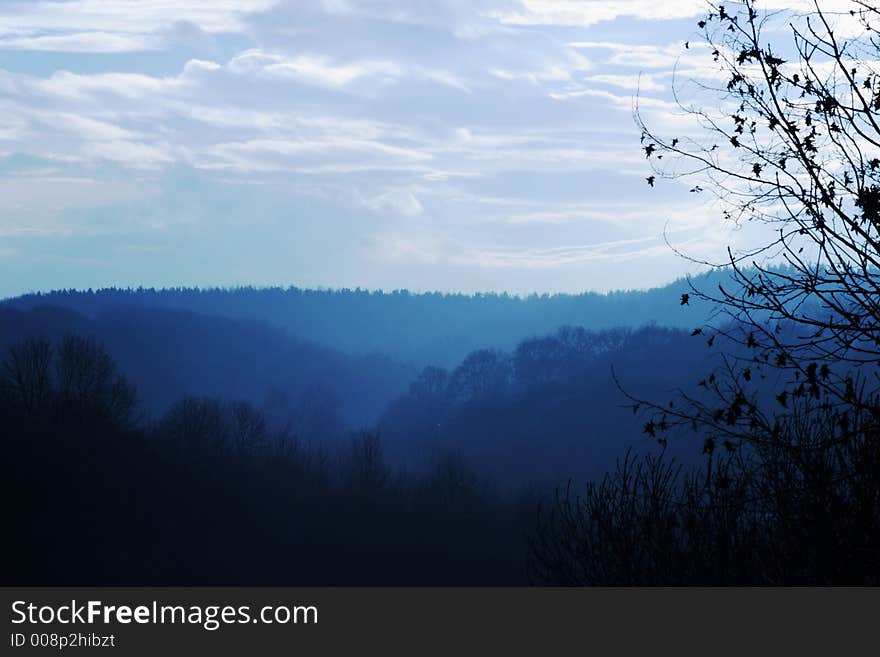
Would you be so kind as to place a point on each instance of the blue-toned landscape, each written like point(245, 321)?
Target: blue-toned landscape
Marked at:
point(397, 293)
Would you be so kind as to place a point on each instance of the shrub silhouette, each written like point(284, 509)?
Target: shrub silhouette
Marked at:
point(802, 510)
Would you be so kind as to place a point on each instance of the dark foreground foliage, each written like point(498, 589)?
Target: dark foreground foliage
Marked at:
point(211, 495)
point(801, 510)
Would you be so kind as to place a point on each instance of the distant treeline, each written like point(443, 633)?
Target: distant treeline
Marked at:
point(423, 329)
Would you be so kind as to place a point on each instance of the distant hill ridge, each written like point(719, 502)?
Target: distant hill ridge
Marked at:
point(420, 328)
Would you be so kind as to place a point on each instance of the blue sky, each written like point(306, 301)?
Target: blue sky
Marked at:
point(444, 144)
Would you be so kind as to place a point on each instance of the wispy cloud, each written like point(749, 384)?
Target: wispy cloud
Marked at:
point(83, 42)
point(132, 17)
point(309, 68)
point(584, 14)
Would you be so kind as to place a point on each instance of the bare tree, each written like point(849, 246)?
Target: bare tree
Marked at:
point(481, 373)
point(87, 377)
point(27, 372)
point(788, 138)
point(196, 425)
point(367, 472)
point(249, 429)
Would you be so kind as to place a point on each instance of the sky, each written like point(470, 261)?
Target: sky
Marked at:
point(456, 145)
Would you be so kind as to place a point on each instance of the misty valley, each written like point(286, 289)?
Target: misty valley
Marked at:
point(188, 436)
point(163, 444)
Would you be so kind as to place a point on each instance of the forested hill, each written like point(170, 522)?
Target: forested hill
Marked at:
point(434, 328)
point(169, 354)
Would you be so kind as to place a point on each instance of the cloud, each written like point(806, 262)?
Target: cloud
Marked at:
point(402, 202)
point(86, 42)
point(30, 210)
point(281, 154)
point(310, 68)
point(643, 56)
point(133, 17)
point(131, 154)
point(468, 142)
point(644, 83)
point(75, 86)
point(585, 14)
point(560, 256)
point(85, 128)
point(578, 13)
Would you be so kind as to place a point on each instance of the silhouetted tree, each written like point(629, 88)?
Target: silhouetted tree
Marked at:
point(368, 473)
point(568, 353)
point(539, 360)
point(27, 374)
point(249, 429)
point(87, 377)
point(793, 148)
point(431, 383)
point(790, 417)
point(194, 426)
point(481, 373)
point(454, 482)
